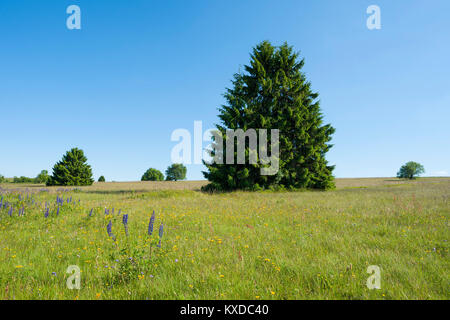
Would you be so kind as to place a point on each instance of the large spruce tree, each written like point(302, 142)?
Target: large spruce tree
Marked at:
point(273, 93)
point(72, 170)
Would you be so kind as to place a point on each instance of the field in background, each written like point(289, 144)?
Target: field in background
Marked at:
point(143, 186)
point(242, 245)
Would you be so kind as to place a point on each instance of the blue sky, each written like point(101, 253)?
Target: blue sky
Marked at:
point(138, 70)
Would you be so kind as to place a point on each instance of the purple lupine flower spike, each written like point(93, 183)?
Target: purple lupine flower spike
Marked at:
point(161, 230)
point(160, 234)
point(46, 213)
point(90, 213)
point(109, 230)
point(150, 225)
point(125, 223)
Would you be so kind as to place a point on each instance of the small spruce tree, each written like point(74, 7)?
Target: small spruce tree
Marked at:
point(72, 170)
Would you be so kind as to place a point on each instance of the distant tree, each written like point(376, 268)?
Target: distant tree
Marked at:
point(72, 170)
point(23, 179)
point(152, 175)
point(101, 179)
point(2, 179)
point(42, 177)
point(175, 172)
point(410, 170)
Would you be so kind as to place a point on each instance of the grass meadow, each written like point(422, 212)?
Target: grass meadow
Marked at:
point(241, 245)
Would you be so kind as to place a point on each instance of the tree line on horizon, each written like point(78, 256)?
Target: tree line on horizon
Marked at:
point(42, 177)
point(73, 170)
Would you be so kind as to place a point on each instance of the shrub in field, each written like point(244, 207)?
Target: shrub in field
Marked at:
point(42, 177)
point(101, 179)
point(2, 179)
point(72, 170)
point(410, 170)
point(152, 175)
point(176, 172)
point(273, 93)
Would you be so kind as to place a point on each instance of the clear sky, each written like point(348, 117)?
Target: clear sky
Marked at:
point(137, 70)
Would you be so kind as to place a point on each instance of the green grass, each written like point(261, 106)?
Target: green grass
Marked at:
point(264, 245)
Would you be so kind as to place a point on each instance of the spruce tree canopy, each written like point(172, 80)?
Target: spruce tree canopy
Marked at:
point(273, 93)
point(72, 170)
